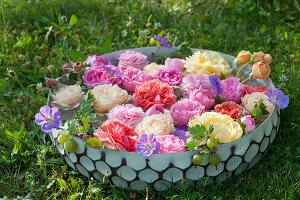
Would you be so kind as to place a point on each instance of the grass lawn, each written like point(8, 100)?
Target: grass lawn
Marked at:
point(35, 34)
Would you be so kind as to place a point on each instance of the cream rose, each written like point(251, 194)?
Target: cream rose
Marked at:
point(225, 128)
point(153, 68)
point(249, 101)
point(208, 62)
point(159, 124)
point(107, 96)
point(67, 97)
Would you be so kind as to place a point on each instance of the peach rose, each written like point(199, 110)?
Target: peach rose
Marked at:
point(67, 97)
point(258, 56)
point(260, 70)
point(158, 124)
point(249, 101)
point(107, 96)
point(267, 59)
point(244, 56)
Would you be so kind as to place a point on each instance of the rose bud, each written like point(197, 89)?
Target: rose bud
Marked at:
point(258, 56)
point(51, 68)
point(260, 70)
point(51, 83)
point(12, 73)
point(149, 25)
point(244, 56)
point(267, 59)
point(78, 66)
point(67, 68)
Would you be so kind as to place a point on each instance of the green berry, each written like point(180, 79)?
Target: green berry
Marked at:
point(214, 159)
point(62, 138)
point(212, 142)
point(70, 146)
point(197, 159)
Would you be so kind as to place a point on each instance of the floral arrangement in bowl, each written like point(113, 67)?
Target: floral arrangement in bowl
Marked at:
point(192, 104)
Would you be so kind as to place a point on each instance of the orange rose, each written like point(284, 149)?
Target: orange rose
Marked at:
point(260, 70)
point(258, 56)
point(244, 56)
point(267, 59)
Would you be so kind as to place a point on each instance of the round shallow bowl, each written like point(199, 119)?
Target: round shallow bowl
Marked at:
point(134, 171)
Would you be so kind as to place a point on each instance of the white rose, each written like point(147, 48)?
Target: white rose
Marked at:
point(67, 97)
point(153, 68)
point(249, 101)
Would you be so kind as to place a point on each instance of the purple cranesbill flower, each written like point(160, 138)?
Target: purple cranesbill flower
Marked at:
point(162, 40)
point(181, 133)
point(215, 83)
point(113, 72)
point(147, 145)
point(48, 118)
point(278, 98)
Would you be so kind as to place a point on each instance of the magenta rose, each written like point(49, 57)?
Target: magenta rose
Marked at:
point(184, 110)
point(92, 61)
point(132, 59)
point(172, 76)
point(205, 98)
point(196, 81)
point(98, 76)
point(232, 90)
point(155, 109)
point(134, 77)
point(176, 63)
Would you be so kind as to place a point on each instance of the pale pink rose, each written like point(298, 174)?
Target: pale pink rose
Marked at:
point(132, 59)
point(92, 61)
point(134, 77)
point(205, 98)
point(184, 110)
point(232, 90)
point(155, 109)
point(128, 114)
point(249, 101)
point(175, 62)
point(196, 81)
point(249, 122)
point(170, 144)
point(172, 76)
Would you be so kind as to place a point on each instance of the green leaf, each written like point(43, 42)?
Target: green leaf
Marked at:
point(219, 99)
point(210, 129)
point(73, 20)
point(86, 121)
point(107, 45)
point(222, 76)
point(93, 142)
point(72, 128)
point(62, 182)
point(242, 125)
point(199, 131)
point(76, 56)
point(191, 146)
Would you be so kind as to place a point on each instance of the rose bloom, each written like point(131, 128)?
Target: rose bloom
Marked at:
point(244, 56)
point(225, 128)
point(108, 96)
point(117, 135)
point(232, 90)
point(175, 63)
point(170, 144)
point(67, 97)
point(208, 62)
point(159, 124)
point(192, 82)
point(172, 76)
point(267, 59)
point(261, 70)
point(92, 61)
point(249, 101)
point(132, 59)
point(231, 109)
point(134, 77)
point(98, 76)
point(155, 109)
point(258, 56)
point(249, 122)
point(153, 68)
point(204, 98)
point(128, 114)
point(249, 89)
point(153, 92)
point(184, 110)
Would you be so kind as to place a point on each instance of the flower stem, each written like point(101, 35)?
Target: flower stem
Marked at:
point(245, 81)
point(242, 67)
point(246, 75)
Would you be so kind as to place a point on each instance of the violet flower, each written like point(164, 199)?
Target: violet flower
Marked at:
point(48, 118)
point(215, 83)
point(278, 98)
point(147, 145)
point(113, 72)
point(181, 133)
point(162, 40)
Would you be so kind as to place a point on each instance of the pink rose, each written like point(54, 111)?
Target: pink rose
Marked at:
point(233, 90)
point(170, 144)
point(134, 77)
point(249, 122)
point(205, 98)
point(175, 63)
point(98, 76)
point(249, 89)
point(155, 109)
point(92, 61)
point(132, 59)
point(172, 76)
point(185, 109)
point(128, 114)
point(153, 92)
point(196, 81)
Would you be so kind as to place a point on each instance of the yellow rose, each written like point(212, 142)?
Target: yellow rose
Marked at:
point(67, 97)
point(225, 128)
point(159, 124)
point(208, 62)
point(107, 96)
point(153, 68)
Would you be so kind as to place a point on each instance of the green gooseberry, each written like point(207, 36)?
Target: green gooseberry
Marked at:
point(214, 159)
point(197, 159)
point(212, 142)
